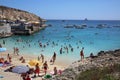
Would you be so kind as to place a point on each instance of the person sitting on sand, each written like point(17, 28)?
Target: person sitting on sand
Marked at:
point(92, 55)
point(37, 69)
point(1, 60)
point(9, 69)
point(6, 62)
point(45, 66)
point(82, 54)
point(27, 77)
point(23, 75)
point(60, 72)
point(21, 58)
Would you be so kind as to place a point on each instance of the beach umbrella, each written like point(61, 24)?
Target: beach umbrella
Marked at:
point(2, 49)
point(20, 69)
point(34, 62)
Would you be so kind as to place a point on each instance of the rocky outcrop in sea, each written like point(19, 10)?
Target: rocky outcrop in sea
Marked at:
point(103, 59)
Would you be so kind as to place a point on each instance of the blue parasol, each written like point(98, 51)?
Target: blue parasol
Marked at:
point(20, 69)
point(2, 49)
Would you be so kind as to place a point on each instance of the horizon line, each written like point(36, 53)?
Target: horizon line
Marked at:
point(86, 20)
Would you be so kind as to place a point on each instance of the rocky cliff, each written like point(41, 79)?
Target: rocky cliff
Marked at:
point(17, 14)
point(99, 65)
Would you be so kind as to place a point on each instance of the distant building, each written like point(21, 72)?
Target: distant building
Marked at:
point(5, 28)
point(19, 27)
point(25, 28)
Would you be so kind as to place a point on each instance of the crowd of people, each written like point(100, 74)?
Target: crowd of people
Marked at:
point(37, 70)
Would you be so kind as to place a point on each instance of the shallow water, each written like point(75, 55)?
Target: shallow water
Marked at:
point(92, 39)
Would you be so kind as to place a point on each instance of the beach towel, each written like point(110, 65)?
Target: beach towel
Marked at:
point(1, 64)
point(4, 65)
point(1, 76)
point(48, 76)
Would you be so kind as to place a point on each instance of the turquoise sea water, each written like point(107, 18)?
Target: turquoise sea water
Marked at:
point(56, 36)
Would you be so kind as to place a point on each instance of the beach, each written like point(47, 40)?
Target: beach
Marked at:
point(17, 62)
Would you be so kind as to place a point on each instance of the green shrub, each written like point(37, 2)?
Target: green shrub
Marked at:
point(108, 77)
point(105, 73)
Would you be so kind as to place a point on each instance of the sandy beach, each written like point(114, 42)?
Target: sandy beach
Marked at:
point(17, 62)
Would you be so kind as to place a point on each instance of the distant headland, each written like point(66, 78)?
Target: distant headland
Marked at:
point(17, 14)
point(16, 21)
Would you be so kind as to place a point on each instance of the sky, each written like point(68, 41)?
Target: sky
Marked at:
point(69, 9)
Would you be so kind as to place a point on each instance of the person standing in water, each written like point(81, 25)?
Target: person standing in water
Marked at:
point(82, 54)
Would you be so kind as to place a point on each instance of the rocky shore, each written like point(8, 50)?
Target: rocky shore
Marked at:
point(102, 59)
